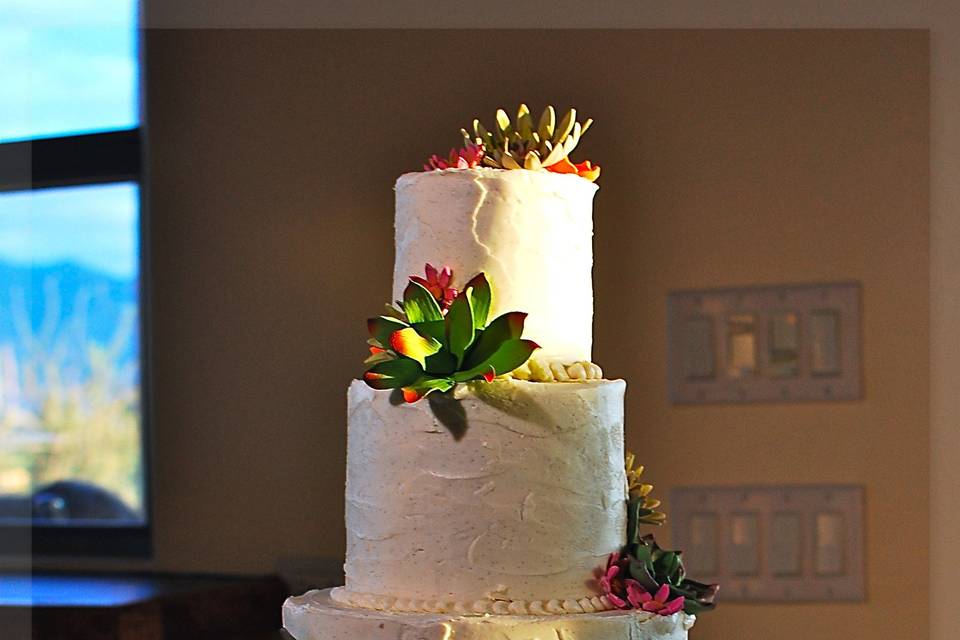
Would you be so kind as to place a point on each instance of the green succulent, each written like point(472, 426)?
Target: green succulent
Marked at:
point(419, 349)
point(523, 144)
point(641, 508)
point(653, 567)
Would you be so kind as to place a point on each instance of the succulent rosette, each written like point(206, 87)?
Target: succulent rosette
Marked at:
point(642, 575)
point(525, 144)
point(654, 568)
point(419, 347)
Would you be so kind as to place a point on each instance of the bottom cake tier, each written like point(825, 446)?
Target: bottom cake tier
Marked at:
point(315, 616)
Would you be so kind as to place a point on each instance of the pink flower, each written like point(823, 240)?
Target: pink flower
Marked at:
point(466, 158)
point(438, 284)
point(640, 598)
point(612, 583)
point(624, 592)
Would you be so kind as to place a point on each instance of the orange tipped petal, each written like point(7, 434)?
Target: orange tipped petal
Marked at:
point(376, 350)
point(411, 395)
point(587, 170)
point(564, 166)
point(411, 344)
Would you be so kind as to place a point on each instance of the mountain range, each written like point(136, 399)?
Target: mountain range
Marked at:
point(60, 309)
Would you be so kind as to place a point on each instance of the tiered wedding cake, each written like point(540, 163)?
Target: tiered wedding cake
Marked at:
point(487, 495)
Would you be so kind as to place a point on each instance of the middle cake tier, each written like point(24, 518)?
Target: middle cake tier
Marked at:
point(513, 492)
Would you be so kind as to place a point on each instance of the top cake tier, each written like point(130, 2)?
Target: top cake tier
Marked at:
point(531, 232)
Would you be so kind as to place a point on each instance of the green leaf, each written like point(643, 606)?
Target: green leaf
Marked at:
point(641, 570)
point(380, 356)
point(424, 387)
point(503, 328)
point(503, 121)
point(393, 312)
point(548, 121)
point(459, 323)
point(411, 344)
point(382, 327)
point(442, 363)
point(509, 162)
point(508, 356)
point(393, 373)
point(435, 329)
point(524, 122)
point(419, 304)
point(633, 520)
point(478, 289)
point(668, 566)
point(565, 126)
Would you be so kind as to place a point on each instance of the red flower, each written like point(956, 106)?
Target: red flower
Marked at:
point(583, 169)
point(640, 598)
point(624, 592)
point(466, 158)
point(611, 582)
point(438, 283)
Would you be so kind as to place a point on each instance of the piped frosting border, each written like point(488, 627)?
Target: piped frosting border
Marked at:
point(483, 606)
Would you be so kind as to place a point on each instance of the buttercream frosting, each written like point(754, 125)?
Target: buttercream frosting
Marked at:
point(315, 616)
point(524, 506)
point(531, 232)
point(484, 606)
point(540, 369)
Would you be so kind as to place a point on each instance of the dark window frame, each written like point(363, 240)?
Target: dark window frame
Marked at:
point(73, 160)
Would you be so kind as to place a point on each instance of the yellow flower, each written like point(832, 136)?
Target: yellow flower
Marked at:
point(640, 492)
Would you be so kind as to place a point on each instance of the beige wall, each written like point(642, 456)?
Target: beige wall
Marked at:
point(752, 157)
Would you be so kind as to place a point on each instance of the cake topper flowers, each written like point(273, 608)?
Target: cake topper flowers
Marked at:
point(522, 144)
point(420, 346)
point(466, 158)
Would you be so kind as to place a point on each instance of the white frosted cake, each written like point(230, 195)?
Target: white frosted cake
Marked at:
point(531, 232)
point(487, 493)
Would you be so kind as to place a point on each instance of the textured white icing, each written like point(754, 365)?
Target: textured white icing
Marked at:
point(530, 231)
point(314, 616)
point(525, 506)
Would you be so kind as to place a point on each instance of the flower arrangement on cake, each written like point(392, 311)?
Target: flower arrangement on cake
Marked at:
point(521, 144)
point(438, 336)
point(642, 575)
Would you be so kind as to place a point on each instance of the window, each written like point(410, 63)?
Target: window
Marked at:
point(73, 469)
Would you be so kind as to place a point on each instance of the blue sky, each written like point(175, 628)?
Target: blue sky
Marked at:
point(69, 66)
point(95, 226)
point(66, 66)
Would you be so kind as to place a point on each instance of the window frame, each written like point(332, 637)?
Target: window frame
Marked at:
point(103, 157)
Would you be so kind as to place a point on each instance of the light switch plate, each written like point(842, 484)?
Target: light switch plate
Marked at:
point(761, 344)
point(773, 543)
